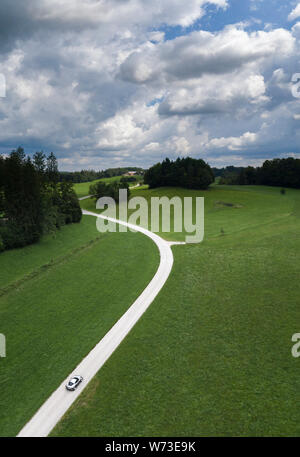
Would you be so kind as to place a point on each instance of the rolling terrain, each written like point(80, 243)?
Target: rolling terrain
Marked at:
point(63, 296)
point(212, 355)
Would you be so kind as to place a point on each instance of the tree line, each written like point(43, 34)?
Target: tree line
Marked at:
point(92, 175)
point(276, 172)
point(226, 171)
point(186, 172)
point(32, 200)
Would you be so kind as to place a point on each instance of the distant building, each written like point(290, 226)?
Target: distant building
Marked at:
point(130, 173)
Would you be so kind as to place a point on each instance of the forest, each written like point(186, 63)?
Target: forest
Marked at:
point(32, 200)
point(276, 172)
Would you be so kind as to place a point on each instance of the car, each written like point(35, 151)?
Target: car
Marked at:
point(74, 382)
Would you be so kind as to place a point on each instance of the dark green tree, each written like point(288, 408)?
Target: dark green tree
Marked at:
point(187, 172)
point(22, 205)
point(39, 161)
point(52, 169)
point(32, 202)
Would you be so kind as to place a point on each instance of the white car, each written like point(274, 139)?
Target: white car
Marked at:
point(74, 382)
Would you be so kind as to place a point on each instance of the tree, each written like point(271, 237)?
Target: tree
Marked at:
point(2, 165)
point(39, 162)
point(69, 205)
point(32, 202)
point(186, 172)
point(52, 169)
point(22, 202)
point(276, 172)
point(102, 189)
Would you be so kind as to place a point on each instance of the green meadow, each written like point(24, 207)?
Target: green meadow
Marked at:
point(82, 189)
point(228, 209)
point(212, 354)
point(58, 298)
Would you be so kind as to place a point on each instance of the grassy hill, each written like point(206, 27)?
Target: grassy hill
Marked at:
point(58, 298)
point(82, 189)
point(212, 355)
point(228, 208)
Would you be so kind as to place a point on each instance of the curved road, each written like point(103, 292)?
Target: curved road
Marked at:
point(60, 401)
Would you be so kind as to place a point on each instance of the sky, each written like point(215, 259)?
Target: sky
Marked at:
point(109, 83)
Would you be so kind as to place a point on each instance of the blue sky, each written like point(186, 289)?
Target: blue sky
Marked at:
point(129, 82)
point(257, 12)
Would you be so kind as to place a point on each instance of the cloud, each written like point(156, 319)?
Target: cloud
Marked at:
point(215, 94)
point(98, 83)
point(295, 13)
point(201, 52)
point(233, 143)
point(255, 4)
point(172, 12)
point(206, 73)
point(182, 145)
point(20, 20)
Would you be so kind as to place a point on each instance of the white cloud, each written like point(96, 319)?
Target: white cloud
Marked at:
point(98, 83)
point(119, 132)
point(215, 94)
point(93, 12)
point(233, 143)
point(295, 13)
point(156, 36)
point(182, 145)
point(152, 146)
point(201, 52)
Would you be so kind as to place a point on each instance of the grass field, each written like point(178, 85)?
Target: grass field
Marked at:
point(212, 355)
point(82, 189)
point(251, 207)
point(58, 299)
point(18, 265)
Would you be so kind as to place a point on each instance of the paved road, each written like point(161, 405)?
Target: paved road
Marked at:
point(60, 401)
